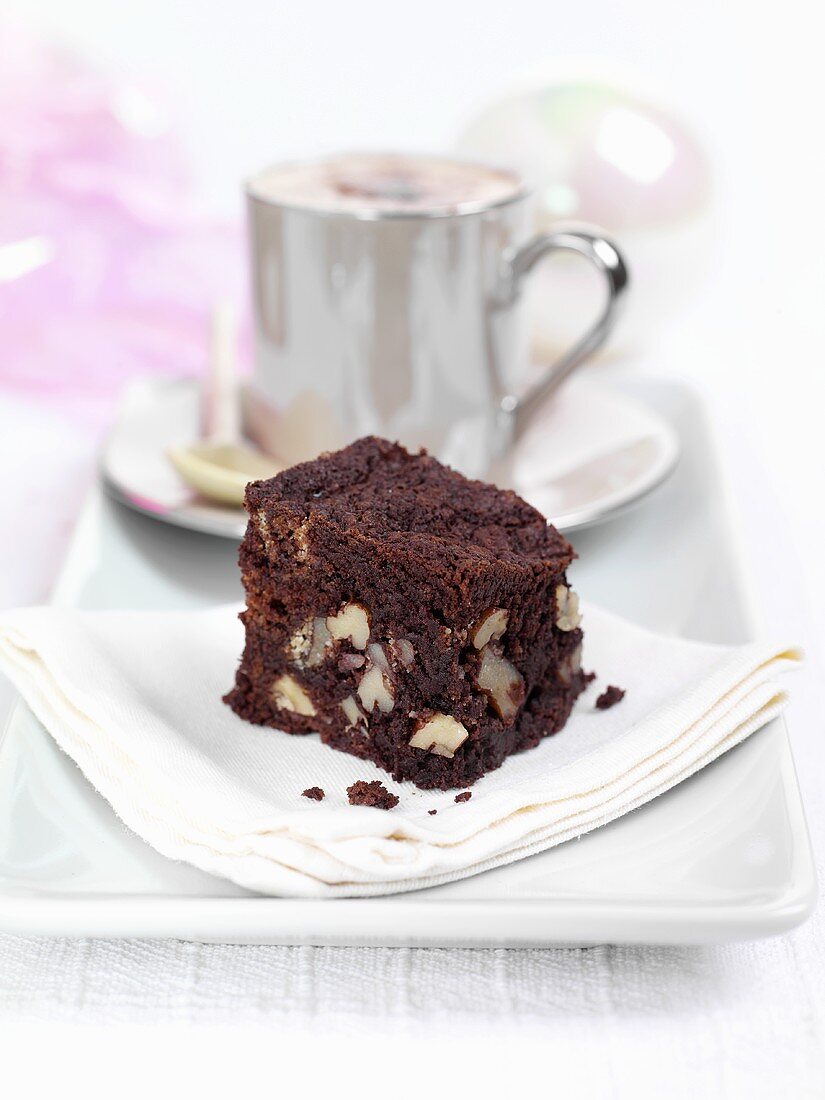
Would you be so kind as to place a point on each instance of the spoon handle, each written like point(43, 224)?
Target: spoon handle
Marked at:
point(220, 401)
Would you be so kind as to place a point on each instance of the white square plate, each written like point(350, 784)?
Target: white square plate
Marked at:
point(723, 856)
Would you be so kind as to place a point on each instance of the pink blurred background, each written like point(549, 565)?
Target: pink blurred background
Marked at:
point(107, 273)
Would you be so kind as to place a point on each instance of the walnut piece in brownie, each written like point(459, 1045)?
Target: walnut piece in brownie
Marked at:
point(610, 697)
point(465, 796)
point(317, 794)
point(406, 614)
point(375, 794)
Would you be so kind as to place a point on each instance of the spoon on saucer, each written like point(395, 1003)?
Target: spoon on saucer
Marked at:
point(220, 465)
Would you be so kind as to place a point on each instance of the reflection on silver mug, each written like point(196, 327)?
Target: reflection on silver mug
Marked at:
point(387, 301)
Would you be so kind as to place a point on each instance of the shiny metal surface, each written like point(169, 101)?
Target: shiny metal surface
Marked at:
point(411, 327)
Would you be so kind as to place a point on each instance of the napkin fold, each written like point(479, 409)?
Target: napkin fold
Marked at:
point(134, 698)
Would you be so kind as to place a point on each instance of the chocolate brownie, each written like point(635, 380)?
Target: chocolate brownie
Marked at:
point(406, 614)
point(317, 794)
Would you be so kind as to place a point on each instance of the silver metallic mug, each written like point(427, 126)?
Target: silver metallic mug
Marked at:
point(403, 319)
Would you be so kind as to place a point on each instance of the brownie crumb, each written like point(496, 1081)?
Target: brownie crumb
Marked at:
point(315, 793)
point(465, 796)
point(610, 697)
point(375, 794)
point(431, 812)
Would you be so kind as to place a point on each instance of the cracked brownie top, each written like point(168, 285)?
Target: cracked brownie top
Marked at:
point(378, 491)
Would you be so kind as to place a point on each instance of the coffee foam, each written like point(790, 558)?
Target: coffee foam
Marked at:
point(359, 183)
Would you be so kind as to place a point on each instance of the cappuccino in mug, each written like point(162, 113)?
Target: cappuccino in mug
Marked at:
point(387, 301)
point(386, 184)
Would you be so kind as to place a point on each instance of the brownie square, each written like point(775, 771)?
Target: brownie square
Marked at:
point(406, 614)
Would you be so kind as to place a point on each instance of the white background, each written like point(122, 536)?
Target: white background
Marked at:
point(257, 80)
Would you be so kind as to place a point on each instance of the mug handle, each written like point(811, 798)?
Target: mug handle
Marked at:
point(515, 411)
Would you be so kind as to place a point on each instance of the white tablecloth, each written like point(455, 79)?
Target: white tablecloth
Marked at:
point(735, 1020)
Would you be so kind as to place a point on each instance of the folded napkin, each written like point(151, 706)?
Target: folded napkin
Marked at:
point(134, 698)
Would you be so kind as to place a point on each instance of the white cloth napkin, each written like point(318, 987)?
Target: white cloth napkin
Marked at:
point(134, 697)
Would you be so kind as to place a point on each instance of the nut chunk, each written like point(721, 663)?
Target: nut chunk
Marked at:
point(350, 622)
point(405, 615)
point(501, 682)
point(288, 694)
point(440, 734)
point(376, 689)
point(567, 603)
point(491, 627)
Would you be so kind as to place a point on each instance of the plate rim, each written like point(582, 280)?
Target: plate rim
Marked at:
point(530, 922)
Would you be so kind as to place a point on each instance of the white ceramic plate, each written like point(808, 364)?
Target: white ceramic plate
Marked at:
point(723, 856)
point(590, 453)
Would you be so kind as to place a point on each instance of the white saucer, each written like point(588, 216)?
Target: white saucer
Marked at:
point(590, 453)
